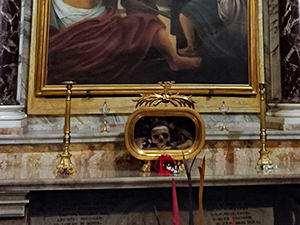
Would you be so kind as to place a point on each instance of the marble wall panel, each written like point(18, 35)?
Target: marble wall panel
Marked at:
point(113, 160)
point(92, 124)
point(290, 50)
point(88, 124)
point(9, 50)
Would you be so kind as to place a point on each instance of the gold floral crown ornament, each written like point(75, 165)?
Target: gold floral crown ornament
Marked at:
point(165, 97)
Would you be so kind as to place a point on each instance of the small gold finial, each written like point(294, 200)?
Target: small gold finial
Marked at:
point(65, 166)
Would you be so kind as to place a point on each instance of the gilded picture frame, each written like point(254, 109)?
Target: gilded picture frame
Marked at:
point(151, 132)
point(44, 98)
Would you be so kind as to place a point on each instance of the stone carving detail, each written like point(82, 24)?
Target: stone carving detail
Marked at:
point(9, 49)
point(290, 50)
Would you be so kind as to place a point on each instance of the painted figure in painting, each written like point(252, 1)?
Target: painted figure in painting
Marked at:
point(218, 34)
point(89, 40)
point(219, 19)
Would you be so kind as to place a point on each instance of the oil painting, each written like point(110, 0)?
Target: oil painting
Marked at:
point(116, 49)
point(146, 41)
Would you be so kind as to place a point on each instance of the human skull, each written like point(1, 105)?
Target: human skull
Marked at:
point(160, 136)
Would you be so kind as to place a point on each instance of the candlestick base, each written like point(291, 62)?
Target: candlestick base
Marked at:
point(224, 128)
point(65, 167)
point(264, 162)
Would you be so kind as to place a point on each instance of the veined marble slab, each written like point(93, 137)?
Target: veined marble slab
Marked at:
point(34, 176)
point(86, 129)
point(86, 136)
point(242, 175)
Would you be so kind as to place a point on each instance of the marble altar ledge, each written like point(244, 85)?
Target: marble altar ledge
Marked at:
point(22, 179)
point(53, 137)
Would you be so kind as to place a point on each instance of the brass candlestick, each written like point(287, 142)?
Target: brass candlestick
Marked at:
point(264, 162)
point(223, 109)
point(65, 167)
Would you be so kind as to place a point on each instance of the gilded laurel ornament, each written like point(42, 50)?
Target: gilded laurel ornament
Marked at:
point(165, 97)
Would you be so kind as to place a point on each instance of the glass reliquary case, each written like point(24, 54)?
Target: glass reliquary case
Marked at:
point(164, 125)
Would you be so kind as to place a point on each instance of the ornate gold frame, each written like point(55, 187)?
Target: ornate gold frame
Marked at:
point(152, 154)
point(43, 99)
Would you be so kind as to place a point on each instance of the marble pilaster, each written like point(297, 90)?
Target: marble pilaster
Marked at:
point(284, 112)
point(9, 50)
point(23, 68)
point(272, 50)
point(12, 115)
point(290, 50)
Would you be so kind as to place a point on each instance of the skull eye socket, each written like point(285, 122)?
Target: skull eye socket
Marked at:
point(155, 136)
point(165, 135)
